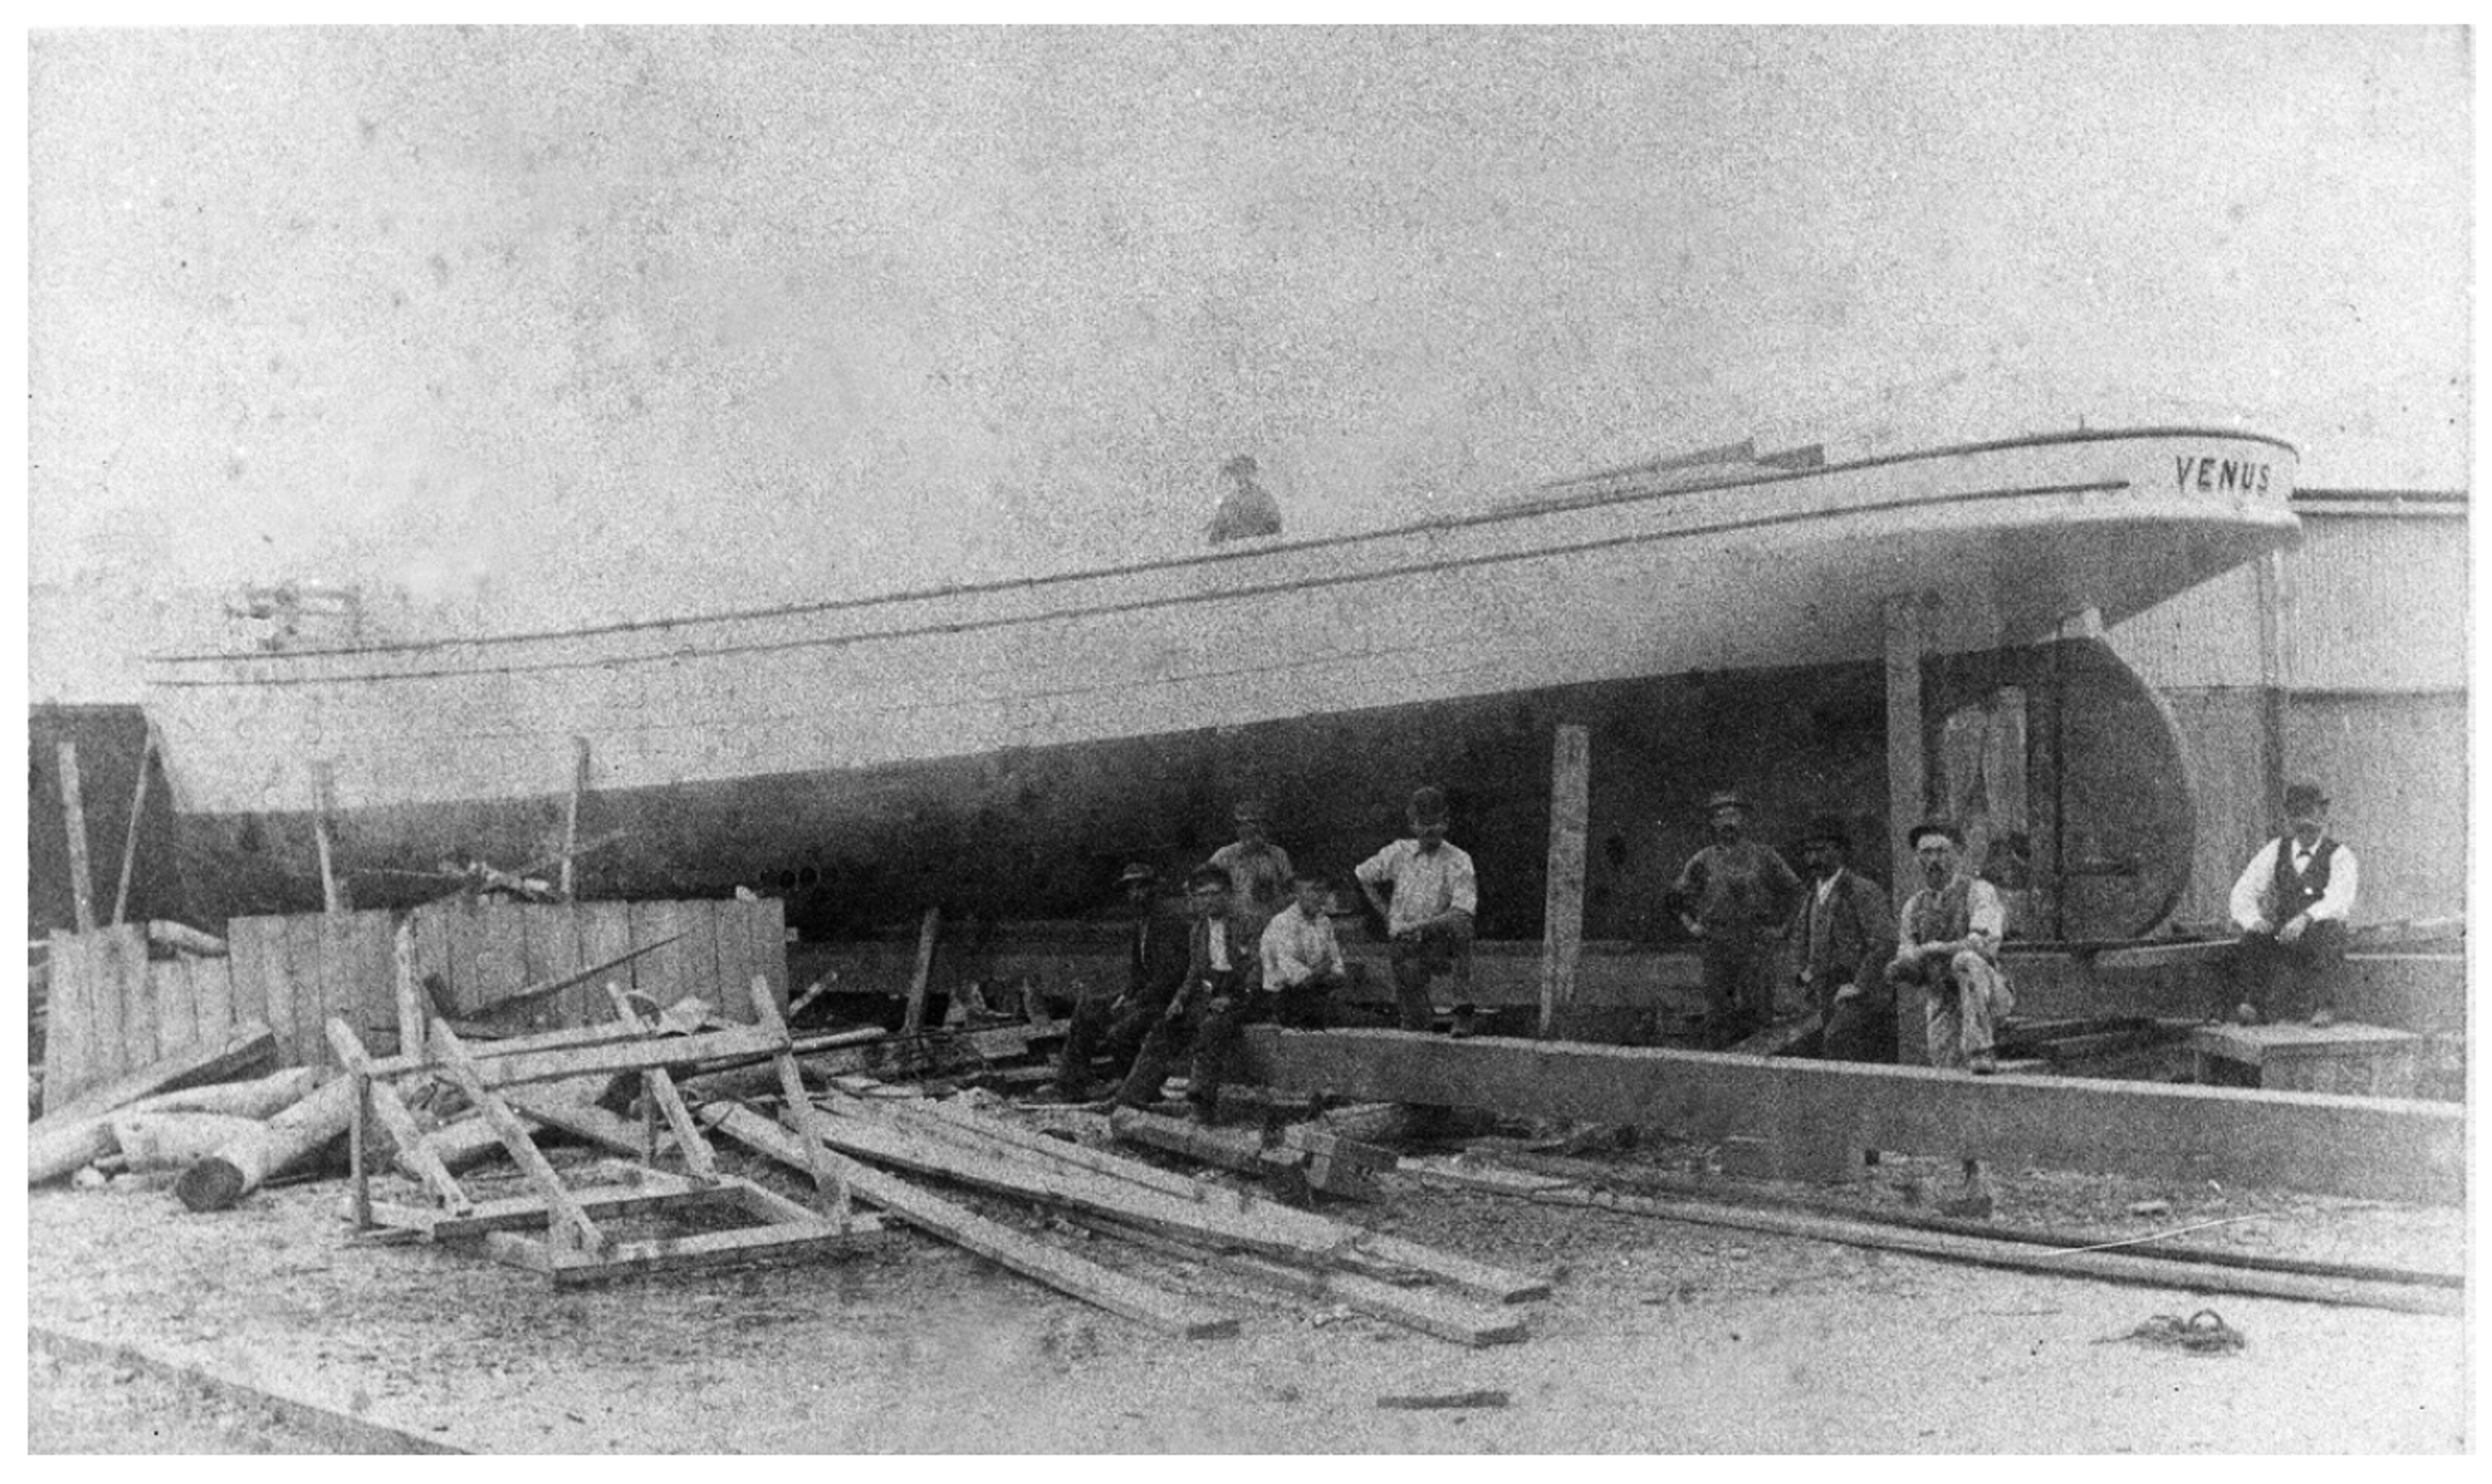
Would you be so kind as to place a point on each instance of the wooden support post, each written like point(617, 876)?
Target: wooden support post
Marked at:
point(358, 1169)
point(1908, 787)
point(333, 897)
point(1569, 811)
point(917, 1017)
point(830, 1185)
point(74, 815)
point(571, 812)
point(130, 836)
point(410, 988)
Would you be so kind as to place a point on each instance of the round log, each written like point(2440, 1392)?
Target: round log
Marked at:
point(66, 1149)
point(291, 1138)
point(172, 1141)
point(264, 1098)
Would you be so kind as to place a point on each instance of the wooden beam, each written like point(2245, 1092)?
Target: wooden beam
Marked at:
point(1569, 812)
point(237, 1051)
point(74, 817)
point(333, 896)
point(916, 1018)
point(571, 812)
point(1058, 1269)
point(2367, 1147)
point(830, 1192)
point(130, 836)
point(1908, 777)
point(415, 1149)
point(408, 984)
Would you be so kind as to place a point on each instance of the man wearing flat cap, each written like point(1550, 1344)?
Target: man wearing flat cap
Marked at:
point(1733, 898)
point(1845, 934)
point(2291, 905)
point(1115, 1026)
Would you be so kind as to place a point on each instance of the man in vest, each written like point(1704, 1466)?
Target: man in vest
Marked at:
point(2292, 903)
point(1948, 943)
point(1155, 966)
point(1845, 936)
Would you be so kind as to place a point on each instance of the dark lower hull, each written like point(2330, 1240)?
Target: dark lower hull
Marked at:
point(1041, 833)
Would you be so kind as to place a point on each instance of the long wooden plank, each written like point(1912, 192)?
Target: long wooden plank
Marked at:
point(1570, 785)
point(368, 944)
point(551, 954)
point(1259, 1226)
point(742, 1246)
point(657, 1191)
point(246, 1050)
point(501, 963)
point(915, 1017)
point(765, 927)
point(2369, 1147)
point(435, 953)
point(1029, 1141)
point(1063, 1271)
point(212, 986)
point(130, 832)
point(801, 1115)
point(731, 945)
point(294, 987)
point(73, 821)
point(108, 962)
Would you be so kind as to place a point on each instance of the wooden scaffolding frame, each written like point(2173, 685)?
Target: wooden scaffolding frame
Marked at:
point(555, 1230)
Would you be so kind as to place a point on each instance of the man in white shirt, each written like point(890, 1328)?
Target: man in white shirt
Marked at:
point(1434, 897)
point(1302, 963)
point(2292, 905)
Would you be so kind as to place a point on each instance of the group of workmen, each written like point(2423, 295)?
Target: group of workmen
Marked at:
point(1256, 943)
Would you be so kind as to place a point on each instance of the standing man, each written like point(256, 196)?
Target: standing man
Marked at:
point(1258, 870)
point(1734, 897)
point(1155, 966)
point(1949, 944)
point(2292, 903)
point(1845, 932)
point(1302, 963)
point(1223, 971)
point(1436, 894)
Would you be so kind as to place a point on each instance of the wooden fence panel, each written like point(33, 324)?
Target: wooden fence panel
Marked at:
point(659, 974)
point(256, 951)
point(501, 963)
point(765, 927)
point(212, 980)
point(434, 951)
point(604, 932)
point(68, 1019)
point(170, 987)
point(304, 1040)
point(550, 950)
point(125, 957)
point(731, 941)
point(108, 1026)
point(371, 942)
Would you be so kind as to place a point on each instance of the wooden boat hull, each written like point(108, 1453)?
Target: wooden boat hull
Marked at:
point(997, 744)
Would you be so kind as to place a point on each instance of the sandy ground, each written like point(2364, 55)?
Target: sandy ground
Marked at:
point(1661, 1337)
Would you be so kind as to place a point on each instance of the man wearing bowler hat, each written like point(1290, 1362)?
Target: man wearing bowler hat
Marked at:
point(1733, 898)
point(1845, 933)
point(1115, 1027)
point(2291, 905)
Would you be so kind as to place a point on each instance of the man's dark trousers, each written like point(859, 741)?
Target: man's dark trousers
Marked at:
point(2289, 981)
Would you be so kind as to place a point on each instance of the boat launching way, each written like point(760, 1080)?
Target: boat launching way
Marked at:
point(743, 1071)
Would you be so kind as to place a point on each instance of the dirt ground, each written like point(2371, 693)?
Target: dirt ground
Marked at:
point(1661, 1337)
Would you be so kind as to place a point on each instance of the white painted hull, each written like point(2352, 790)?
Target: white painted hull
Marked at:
point(1784, 570)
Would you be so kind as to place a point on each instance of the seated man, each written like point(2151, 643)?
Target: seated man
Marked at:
point(1950, 946)
point(1115, 1027)
point(2291, 905)
point(1223, 971)
point(1302, 963)
point(1846, 937)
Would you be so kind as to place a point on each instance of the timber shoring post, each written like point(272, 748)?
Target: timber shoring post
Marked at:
point(1908, 780)
point(130, 836)
point(73, 817)
point(916, 1015)
point(333, 898)
point(571, 812)
point(1563, 922)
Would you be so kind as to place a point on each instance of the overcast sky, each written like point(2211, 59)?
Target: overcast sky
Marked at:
point(539, 327)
